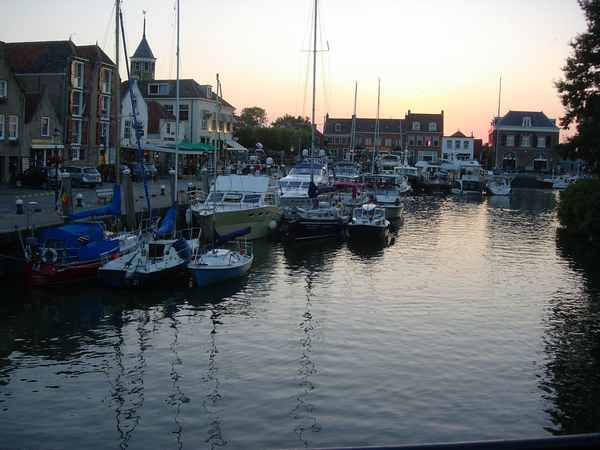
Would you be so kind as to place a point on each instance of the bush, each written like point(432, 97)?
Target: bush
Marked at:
point(579, 209)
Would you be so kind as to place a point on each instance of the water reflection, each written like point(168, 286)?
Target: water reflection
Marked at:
point(571, 381)
point(303, 412)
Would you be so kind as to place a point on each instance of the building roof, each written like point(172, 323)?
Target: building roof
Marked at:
point(50, 56)
point(187, 89)
point(363, 125)
point(458, 134)
point(515, 119)
point(143, 50)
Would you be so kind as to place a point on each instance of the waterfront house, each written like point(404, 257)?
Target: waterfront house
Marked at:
point(338, 132)
point(79, 83)
point(458, 147)
point(524, 141)
point(422, 136)
point(12, 114)
point(206, 120)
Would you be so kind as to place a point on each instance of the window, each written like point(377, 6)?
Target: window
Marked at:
point(436, 142)
point(76, 132)
point(338, 127)
point(76, 103)
point(184, 112)
point(104, 106)
point(419, 140)
point(445, 156)
point(146, 67)
point(168, 108)
point(388, 142)
point(368, 141)
point(466, 145)
point(77, 75)
point(204, 123)
point(416, 126)
point(541, 142)
point(127, 130)
point(526, 121)
point(13, 128)
point(104, 133)
point(449, 145)
point(411, 141)
point(213, 125)
point(525, 140)
point(45, 127)
point(228, 127)
point(432, 126)
point(510, 140)
point(158, 89)
point(1, 127)
point(75, 153)
point(106, 81)
point(3, 89)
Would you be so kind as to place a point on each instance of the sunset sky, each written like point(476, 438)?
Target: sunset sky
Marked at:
point(431, 55)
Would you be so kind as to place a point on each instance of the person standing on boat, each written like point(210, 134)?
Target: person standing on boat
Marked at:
point(313, 193)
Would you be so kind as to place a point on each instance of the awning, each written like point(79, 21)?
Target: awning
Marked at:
point(185, 148)
point(234, 145)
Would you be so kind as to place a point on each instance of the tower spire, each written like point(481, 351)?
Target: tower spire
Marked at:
point(144, 12)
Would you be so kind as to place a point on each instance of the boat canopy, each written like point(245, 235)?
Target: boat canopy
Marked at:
point(241, 183)
point(112, 209)
point(79, 241)
point(167, 224)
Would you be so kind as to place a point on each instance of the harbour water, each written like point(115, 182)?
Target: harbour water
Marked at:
point(479, 322)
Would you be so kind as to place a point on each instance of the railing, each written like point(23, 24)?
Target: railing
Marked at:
point(573, 442)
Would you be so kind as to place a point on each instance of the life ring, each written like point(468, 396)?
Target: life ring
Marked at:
point(49, 255)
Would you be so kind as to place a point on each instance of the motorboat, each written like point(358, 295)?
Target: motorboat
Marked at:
point(221, 264)
point(294, 186)
point(386, 190)
point(368, 221)
point(470, 179)
point(323, 221)
point(346, 171)
point(563, 181)
point(159, 256)
point(499, 185)
point(73, 252)
point(240, 201)
point(389, 162)
point(350, 194)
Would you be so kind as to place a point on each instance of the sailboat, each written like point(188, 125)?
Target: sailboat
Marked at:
point(320, 220)
point(385, 189)
point(159, 254)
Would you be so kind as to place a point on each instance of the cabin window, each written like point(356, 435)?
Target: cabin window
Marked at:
point(252, 198)
point(232, 198)
point(215, 197)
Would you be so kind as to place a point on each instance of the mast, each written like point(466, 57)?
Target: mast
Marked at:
point(219, 95)
point(314, 90)
point(117, 95)
point(376, 126)
point(177, 113)
point(353, 132)
point(496, 124)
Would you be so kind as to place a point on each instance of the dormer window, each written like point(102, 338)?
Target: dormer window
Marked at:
point(416, 126)
point(158, 89)
point(338, 128)
point(432, 126)
point(527, 121)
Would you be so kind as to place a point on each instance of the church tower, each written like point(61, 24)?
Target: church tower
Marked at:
point(143, 60)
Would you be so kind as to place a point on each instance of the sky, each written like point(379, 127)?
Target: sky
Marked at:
point(430, 55)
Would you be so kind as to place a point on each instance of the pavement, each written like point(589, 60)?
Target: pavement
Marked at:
point(39, 205)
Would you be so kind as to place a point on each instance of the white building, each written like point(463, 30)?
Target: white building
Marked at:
point(458, 147)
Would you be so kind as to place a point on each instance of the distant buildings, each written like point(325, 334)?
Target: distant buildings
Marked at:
point(458, 147)
point(523, 140)
point(422, 137)
point(338, 131)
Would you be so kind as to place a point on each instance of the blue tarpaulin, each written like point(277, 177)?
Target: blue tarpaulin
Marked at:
point(167, 224)
point(113, 209)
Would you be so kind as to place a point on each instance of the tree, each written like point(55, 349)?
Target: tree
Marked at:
point(580, 90)
point(289, 121)
point(253, 117)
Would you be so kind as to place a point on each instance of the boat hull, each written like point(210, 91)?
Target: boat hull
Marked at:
point(299, 230)
point(122, 279)
point(46, 275)
point(363, 231)
point(206, 276)
point(259, 220)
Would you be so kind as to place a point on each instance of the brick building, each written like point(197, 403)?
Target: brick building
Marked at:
point(337, 132)
point(78, 81)
point(523, 140)
point(422, 136)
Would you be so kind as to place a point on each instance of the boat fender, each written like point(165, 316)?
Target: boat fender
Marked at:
point(188, 216)
point(49, 255)
point(272, 225)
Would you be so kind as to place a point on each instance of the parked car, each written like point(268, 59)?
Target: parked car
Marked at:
point(42, 177)
point(148, 168)
point(84, 176)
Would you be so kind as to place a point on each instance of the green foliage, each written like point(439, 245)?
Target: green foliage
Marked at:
point(274, 139)
point(253, 117)
point(580, 90)
point(289, 121)
point(579, 208)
